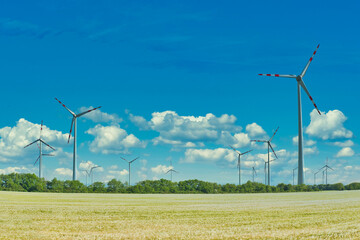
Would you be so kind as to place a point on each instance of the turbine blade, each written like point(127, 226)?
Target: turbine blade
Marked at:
point(278, 75)
point(48, 154)
point(41, 128)
point(32, 143)
point(79, 115)
point(134, 159)
point(246, 152)
point(235, 149)
point(65, 107)
point(273, 150)
point(36, 160)
point(258, 141)
point(72, 123)
point(47, 145)
point(124, 159)
point(307, 65)
point(321, 168)
point(274, 134)
point(330, 168)
point(307, 92)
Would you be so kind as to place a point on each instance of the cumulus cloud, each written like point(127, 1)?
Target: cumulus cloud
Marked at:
point(307, 143)
point(237, 140)
point(119, 173)
point(347, 143)
point(99, 116)
point(311, 150)
point(255, 130)
point(113, 139)
point(9, 170)
point(328, 125)
point(13, 139)
point(161, 169)
point(209, 155)
point(63, 172)
point(186, 130)
point(88, 165)
point(345, 152)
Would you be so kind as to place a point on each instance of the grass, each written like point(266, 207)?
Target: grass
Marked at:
point(325, 215)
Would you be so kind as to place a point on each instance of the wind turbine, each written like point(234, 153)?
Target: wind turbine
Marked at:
point(130, 162)
point(253, 173)
point(265, 162)
point(269, 146)
point(171, 170)
point(239, 162)
point(86, 174)
point(326, 166)
point(294, 175)
point(300, 83)
point(73, 123)
point(91, 174)
point(315, 176)
point(40, 150)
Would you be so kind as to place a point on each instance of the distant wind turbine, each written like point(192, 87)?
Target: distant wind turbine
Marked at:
point(253, 173)
point(239, 161)
point(326, 167)
point(294, 175)
point(130, 162)
point(40, 150)
point(269, 146)
point(171, 170)
point(73, 123)
point(300, 83)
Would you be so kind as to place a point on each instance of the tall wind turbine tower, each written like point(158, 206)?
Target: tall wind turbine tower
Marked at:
point(269, 146)
point(40, 150)
point(130, 162)
point(300, 83)
point(73, 124)
point(239, 161)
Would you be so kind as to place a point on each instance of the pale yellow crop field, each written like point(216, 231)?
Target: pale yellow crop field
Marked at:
point(326, 215)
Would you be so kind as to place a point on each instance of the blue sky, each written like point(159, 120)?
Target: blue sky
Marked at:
point(177, 80)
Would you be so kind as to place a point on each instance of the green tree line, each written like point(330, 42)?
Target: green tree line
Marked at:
point(27, 182)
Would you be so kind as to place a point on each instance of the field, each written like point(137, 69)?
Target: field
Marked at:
point(325, 215)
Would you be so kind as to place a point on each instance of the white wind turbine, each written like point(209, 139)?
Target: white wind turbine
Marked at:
point(269, 146)
point(40, 150)
point(73, 124)
point(129, 162)
point(239, 161)
point(300, 83)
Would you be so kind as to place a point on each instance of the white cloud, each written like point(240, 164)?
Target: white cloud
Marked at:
point(348, 167)
point(99, 116)
point(63, 172)
point(328, 125)
point(347, 143)
point(255, 130)
point(139, 121)
point(13, 139)
point(209, 155)
point(9, 170)
point(113, 167)
point(237, 140)
point(307, 143)
point(88, 165)
point(186, 131)
point(112, 139)
point(161, 169)
point(120, 173)
point(345, 152)
point(310, 151)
